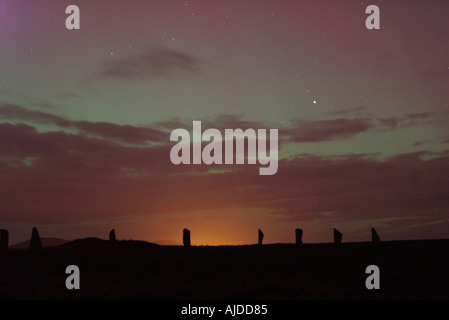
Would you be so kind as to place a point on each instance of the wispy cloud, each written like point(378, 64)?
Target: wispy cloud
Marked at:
point(325, 130)
point(45, 173)
point(89, 173)
point(119, 133)
point(154, 62)
point(406, 120)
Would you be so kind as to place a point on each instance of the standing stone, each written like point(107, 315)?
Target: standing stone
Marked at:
point(112, 235)
point(4, 238)
point(260, 237)
point(35, 243)
point(337, 236)
point(186, 237)
point(298, 233)
point(374, 236)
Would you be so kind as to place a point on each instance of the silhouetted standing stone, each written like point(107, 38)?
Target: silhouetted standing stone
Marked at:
point(35, 243)
point(186, 238)
point(374, 236)
point(337, 236)
point(298, 233)
point(260, 237)
point(4, 238)
point(112, 235)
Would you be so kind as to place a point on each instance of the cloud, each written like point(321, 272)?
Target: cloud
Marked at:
point(300, 131)
point(418, 115)
point(124, 133)
point(60, 177)
point(57, 177)
point(420, 143)
point(390, 122)
point(326, 130)
point(155, 62)
point(349, 126)
point(89, 173)
point(67, 95)
point(10, 111)
point(406, 120)
point(121, 133)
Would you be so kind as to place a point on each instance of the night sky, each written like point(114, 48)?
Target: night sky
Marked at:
point(86, 117)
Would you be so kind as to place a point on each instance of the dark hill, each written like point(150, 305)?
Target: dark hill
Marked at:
point(46, 242)
point(98, 244)
point(168, 243)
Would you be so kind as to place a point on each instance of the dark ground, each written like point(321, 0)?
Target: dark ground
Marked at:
point(140, 270)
